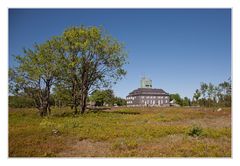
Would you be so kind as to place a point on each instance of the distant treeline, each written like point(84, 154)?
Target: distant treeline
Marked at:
point(20, 102)
point(208, 95)
point(106, 97)
point(23, 102)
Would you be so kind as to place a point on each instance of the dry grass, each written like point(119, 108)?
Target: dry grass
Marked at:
point(121, 132)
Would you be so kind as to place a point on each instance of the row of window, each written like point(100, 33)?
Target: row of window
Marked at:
point(152, 102)
point(154, 97)
point(149, 97)
point(129, 102)
point(131, 97)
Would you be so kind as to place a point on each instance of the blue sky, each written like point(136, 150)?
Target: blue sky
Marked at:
point(177, 49)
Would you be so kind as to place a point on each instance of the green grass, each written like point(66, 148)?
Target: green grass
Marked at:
point(121, 132)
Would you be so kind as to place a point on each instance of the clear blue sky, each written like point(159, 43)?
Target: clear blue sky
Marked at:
point(177, 49)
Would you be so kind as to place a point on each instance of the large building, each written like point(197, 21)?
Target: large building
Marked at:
point(147, 96)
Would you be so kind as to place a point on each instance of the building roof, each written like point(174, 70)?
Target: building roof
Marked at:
point(148, 91)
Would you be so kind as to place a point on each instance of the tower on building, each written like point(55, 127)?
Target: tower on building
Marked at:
point(145, 83)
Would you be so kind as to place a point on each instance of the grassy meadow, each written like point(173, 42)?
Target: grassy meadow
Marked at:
point(121, 132)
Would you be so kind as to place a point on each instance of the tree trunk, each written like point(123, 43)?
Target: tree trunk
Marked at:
point(74, 95)
point(43, 109)
point(74, 83)
point(84, 89)
point(83, 102)
point(49, 109)
point(48, 105)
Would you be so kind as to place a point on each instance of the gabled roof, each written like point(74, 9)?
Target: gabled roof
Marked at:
point(148, 91)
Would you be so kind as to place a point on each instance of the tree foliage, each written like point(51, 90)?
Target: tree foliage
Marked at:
point(106, 97)
point(213, 95)
point(181, 101)
point(71, 66)
point(101, 97)
point(120, 101)
point(36, 74)
point(94, 60)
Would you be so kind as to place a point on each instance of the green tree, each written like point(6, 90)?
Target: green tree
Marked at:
point(102, 96)
point(62, 95)
point(197, 95)
point(96, 60)
point(186, 101)
point(225, 90)
point(211, 95)
point(120, 101)
point(79, 61)
point(36, 74)
point(177, 98)
point(203, 89)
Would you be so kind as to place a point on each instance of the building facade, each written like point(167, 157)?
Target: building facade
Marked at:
point(147, 96)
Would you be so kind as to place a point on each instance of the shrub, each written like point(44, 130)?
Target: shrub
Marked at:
point(195, 131)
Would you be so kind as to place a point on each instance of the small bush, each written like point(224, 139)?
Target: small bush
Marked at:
point(195, 131)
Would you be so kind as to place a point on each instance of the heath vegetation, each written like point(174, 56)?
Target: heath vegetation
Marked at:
point(121, 132)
